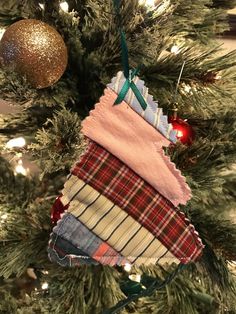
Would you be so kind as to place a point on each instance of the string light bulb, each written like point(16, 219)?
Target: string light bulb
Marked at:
point(19, 168)
point(135, 277)
point(3, 218)
point(44, 286)
point(163, 7)
point(45, 272)
point(16, 142)
point(42, 6)
point(147, 3)
point(187, 88)
point(127, 267)
point(150, 3)
point(64, 6)
point(175, 49)
point(159, 6)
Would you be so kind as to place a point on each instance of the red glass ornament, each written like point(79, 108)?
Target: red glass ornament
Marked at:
point(185, 132)
point(57, 210)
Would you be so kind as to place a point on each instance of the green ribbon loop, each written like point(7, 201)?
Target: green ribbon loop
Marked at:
point(125, 54)
point(125, 63)
point(126, 87)
point(139, 96)
point(130, 84)
point(123, 92)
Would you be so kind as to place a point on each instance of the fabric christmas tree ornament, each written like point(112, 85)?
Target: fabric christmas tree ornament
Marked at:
point(121, 196)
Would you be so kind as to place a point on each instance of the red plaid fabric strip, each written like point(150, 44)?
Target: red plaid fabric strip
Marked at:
point(109, 176)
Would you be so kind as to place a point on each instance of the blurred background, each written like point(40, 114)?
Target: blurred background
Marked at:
point(228, 42)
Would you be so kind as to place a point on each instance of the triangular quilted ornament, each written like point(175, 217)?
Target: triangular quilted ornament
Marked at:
point(122, 195)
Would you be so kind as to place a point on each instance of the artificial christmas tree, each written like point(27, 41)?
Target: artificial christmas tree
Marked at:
point(50, 120)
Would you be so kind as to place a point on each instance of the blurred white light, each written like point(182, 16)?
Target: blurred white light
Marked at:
point(187, 88)
point(45, 286)
point(16, 142)
point(147, 3)
point(19, 169)
point(64, 6)
point(45, 272)
point(2, 31)
point(127, 267)
point(150, 3)
point(41, 5)
point(135, 277)
point(175, 49)
point(4, 216)
point(163, 7)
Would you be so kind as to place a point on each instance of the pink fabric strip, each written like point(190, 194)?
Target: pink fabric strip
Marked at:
point(130, 138)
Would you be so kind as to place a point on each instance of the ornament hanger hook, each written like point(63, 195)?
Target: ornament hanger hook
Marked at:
point(177, 85)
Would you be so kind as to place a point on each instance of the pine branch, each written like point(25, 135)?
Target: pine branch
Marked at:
point(59, 142)
point(218, 233)
point(15, 190)
point(18, 236)
point(225, 4)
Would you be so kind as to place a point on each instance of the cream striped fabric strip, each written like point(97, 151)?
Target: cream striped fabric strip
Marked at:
point(113, 225)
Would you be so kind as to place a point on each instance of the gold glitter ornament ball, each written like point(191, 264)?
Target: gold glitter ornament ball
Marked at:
point(35, 50)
